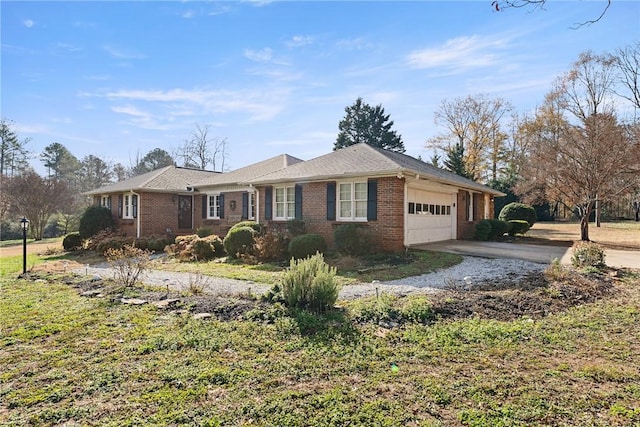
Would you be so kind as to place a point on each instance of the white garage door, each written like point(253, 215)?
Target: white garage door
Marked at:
point(430, 216)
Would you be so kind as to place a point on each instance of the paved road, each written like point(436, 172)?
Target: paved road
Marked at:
point(535, 253)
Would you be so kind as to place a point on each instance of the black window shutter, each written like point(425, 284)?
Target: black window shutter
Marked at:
point(221, 201)
point(245, 205)
point(331, 201)
point(205, 205)
point(134, 202)
point(372, 200)
point(268, 206)
point(120, 206)
point(109, 203)
point(298, 201)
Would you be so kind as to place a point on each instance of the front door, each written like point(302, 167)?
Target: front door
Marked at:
point(185, 217)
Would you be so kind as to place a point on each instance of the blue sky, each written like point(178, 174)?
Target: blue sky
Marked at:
point(115, 79)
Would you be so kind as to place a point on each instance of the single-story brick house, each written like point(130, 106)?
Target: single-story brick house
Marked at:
point(177, 201)
point(403, 200)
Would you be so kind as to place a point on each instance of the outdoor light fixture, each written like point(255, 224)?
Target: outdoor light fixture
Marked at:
point(24, 224)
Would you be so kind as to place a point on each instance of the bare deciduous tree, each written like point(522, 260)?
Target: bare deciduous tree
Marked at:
point(499, 5)
point(203, 150)
point(474, 125)
point(37, 198)
point(628, 65)
point(587, 157)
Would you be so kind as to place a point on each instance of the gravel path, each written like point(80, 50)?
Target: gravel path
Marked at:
point(471, 271)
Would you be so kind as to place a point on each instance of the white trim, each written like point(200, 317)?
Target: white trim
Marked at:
point(285, 203)
point(138, 226)
point(209, 196)
point(352, 200)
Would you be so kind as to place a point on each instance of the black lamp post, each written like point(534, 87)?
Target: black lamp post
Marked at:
point(24, 224)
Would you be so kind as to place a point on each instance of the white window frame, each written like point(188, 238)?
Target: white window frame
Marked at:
point(351, 200)
point(127, 206)
point(288, 203)
point(213, 211)
point(251, 209)
point(470, 213)
point(104, 201)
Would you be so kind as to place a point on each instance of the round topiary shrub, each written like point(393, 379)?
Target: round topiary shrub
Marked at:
point(202, 250)
point(353, 239)
point(72, 242)
point(204, 231)
point(95, 219)
point(239, 240)
point(307, 245)
point(252, 224)
point(516, 210)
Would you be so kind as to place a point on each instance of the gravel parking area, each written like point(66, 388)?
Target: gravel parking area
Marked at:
point(472, 271)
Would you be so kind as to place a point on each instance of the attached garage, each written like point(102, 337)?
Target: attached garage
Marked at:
point(430, 216)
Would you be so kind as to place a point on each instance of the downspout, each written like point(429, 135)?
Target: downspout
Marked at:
point(138, 215)
point(257, 205)
point(405, 214)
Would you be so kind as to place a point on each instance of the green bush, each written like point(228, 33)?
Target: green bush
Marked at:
point(518, 226)
point(239, 241)
point(72, 242)
point(516, 210)
point(204, 231)
point(251, 224)
point(310, 284)
point(154, 243)
point(353, 239)
point(95, 219)
point(483, 230)
point(587, 254)
point(498, 228)
point(295, 227)
point(307, 245)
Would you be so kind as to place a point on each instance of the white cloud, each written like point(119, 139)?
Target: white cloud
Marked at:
point(460, 53)
point(358, 43)
point(262, 55)
point(187, 14)
point(122, 54)
point(299, 41)
point(28, 23)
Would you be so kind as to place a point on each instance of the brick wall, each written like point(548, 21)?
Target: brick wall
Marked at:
point(466, 229)
point(388, 229)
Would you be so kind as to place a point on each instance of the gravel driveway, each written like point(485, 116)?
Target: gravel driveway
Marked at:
point(471, 271)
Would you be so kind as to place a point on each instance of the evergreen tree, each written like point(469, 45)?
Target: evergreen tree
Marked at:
point(364, 123)
point(455, 161)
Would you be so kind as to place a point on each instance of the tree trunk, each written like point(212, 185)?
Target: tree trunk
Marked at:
point(584, 222)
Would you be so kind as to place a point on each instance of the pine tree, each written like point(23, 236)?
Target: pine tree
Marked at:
point(364, 123)
point(455, 161)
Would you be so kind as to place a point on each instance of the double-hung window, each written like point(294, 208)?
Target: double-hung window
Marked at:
point(285, 206)
point(128, 206)
point(213, 206)
point(105, 202)
point(352, 201)
point(252, 205)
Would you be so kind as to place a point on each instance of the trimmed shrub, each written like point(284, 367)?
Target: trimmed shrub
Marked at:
point(516, 210)
point(483, 230)
point(251, 224)
point(518, 226)
point(72, 242)
point(310, 284)
point(306, 245)
point(498, 228)
point(95, 219)
point(353, 239)
point(587, 254)
point(204, 231)
point(239, 241)
point(295, 227)
point(192, 247)
point(154, 243)
point(115, 243)
point(202, 250)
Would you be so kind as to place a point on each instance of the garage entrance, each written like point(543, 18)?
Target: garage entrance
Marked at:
point(430, 216)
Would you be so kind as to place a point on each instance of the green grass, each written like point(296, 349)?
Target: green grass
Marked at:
point(16, 242)
point(13, 264)
point(74, 360)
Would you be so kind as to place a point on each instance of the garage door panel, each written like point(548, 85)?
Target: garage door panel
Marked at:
point(430, 217)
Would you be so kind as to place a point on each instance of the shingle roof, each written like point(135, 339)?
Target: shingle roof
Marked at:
point(250, 172)
point(168, 178)
point(365, 160)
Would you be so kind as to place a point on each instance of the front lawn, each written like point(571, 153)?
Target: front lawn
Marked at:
point(68, 359)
